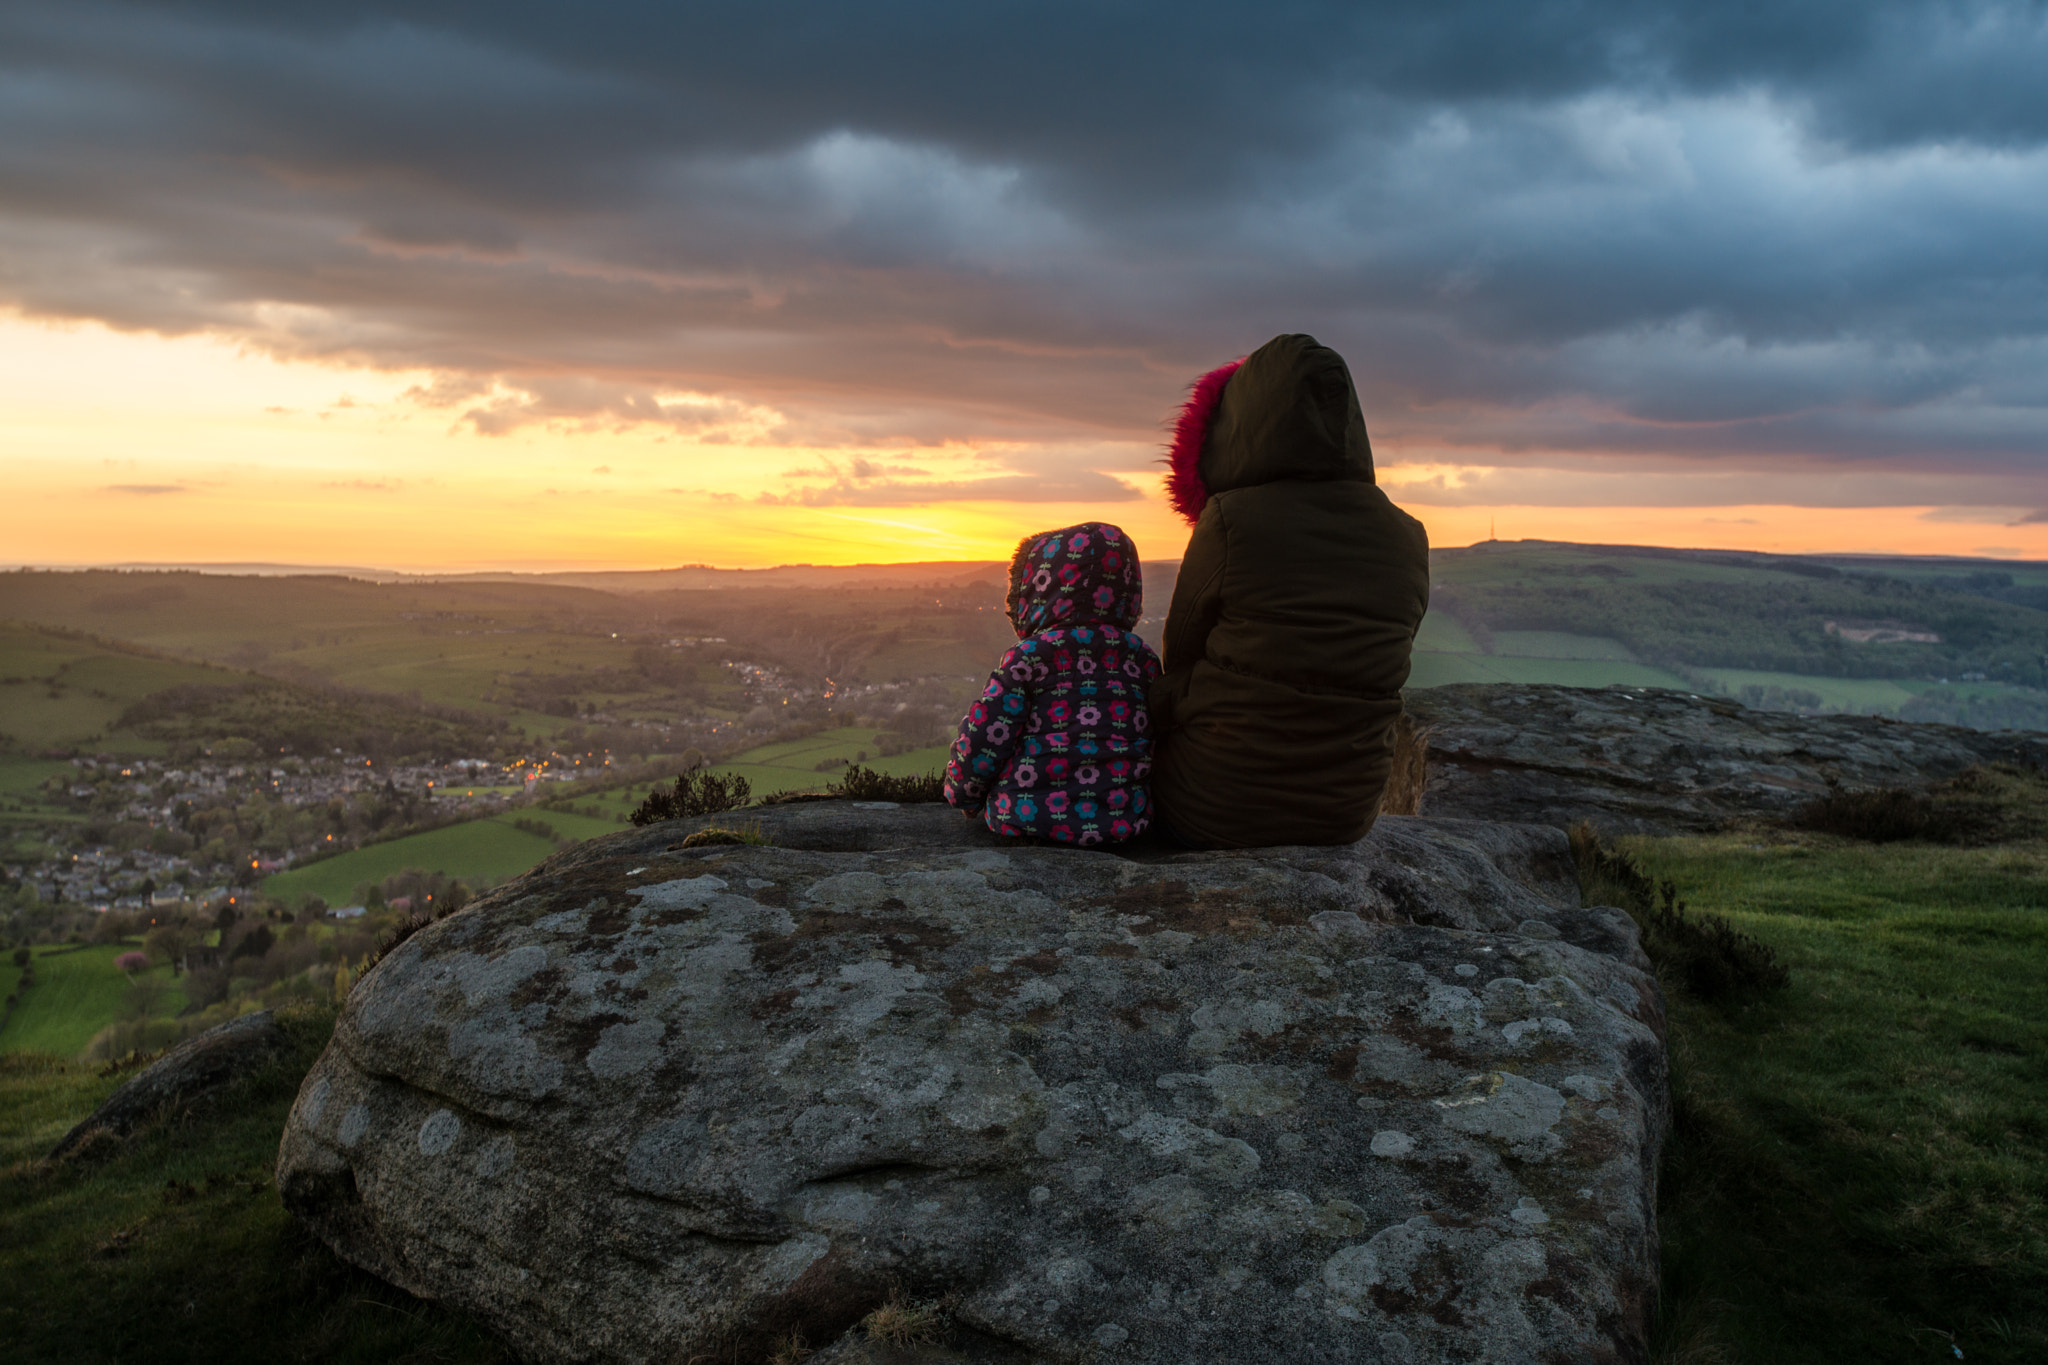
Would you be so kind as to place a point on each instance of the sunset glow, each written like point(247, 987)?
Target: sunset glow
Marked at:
point(128, 448)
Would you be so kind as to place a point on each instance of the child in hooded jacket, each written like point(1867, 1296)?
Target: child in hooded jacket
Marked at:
point(1059, 744)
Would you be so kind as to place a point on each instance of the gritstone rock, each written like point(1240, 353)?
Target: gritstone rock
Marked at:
point(1650, 760)
point(1400, 1101)
point(190, 1071)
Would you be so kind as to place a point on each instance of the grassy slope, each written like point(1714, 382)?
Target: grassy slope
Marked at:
point(1862, 1165)
point(477, 848)
point(77, 993)
point(93, 683)
point(177, 1249)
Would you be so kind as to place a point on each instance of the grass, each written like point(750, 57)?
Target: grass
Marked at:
point(77, 992)
point(1859, 1166)
point(176, 1248)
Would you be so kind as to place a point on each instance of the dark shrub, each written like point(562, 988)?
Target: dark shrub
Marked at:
point(254, 944)
point(694, 793)
point(865, 784)
point(1883, 815)
point(1705, 954)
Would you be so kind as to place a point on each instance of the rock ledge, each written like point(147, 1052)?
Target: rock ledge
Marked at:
point(1400, 1101)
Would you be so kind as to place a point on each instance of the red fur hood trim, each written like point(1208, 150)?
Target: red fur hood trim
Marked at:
point(1184, 487)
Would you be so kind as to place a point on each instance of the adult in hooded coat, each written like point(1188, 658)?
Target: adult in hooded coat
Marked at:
point(1295, 612)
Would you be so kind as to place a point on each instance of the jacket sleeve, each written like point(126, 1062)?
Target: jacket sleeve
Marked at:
point(992, 730)
point(1197, 602)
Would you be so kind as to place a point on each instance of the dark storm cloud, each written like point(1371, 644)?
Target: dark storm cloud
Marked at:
point(1691, 230)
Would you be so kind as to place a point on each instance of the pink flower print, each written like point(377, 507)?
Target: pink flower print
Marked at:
point(1104, 595)
point(1042, 580)
point(1025, 775)
point(1086, 747)
point(1021, 670)
point(1013, 706)
point(1089, 775)
point(1091, 836)
point(1138, 802)
point(1064, 662)
point(1119, 830)
point(1059, 711)
point(1001, 805)
point(1140, 721)
point(1090, 715)
point(1084, 635)
point(1119, 769)
point(1058, 739)
point(1078, 543)
point(977, 714)
point(999, 733)
point(1131, 668)
point(1119, 797)
point(1063, 607)
point(984, 764)
point(1084, 809)
point(1069, 575)
point(1112, 561)
point(1119, 712)
point(1056, 803)
point(1139, 769)
point(1117, 743)
point(1086, 664)
point(1063, 833)
point(1109, 663)
point(1056, 768)
point(1027, 809)
point(1033, 748)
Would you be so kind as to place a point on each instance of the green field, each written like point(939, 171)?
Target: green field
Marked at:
point(1859, 1168)
point(78, 992)
point(477, 849)
point(793, 766)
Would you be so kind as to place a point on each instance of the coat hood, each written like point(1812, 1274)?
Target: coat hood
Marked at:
point(1075, 576)
point(1286, 411)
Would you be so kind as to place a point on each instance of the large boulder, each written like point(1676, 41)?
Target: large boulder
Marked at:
point(1651, 760)
point(1400, 1101)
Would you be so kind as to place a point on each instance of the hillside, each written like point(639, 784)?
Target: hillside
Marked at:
point(1961, 642)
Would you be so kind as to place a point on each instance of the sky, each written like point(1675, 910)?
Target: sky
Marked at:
point(453, 284)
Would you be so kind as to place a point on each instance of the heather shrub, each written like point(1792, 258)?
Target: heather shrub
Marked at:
point(694, 793)
point(1882, 815)
point(865, 784)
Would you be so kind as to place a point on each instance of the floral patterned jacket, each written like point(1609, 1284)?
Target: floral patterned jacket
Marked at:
point(1059, 744)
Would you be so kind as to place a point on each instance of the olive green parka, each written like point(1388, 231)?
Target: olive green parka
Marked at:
point(1294, 614)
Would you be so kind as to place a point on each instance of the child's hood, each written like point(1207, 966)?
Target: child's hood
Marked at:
point(1077, 575)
